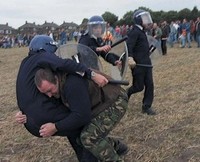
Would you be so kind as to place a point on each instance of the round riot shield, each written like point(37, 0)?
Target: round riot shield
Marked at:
point(81, 54)
point(119, 72)
point(85, 55)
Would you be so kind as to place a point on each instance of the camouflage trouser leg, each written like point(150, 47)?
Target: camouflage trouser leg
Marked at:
point(93, 136)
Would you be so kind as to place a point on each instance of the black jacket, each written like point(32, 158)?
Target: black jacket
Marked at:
point(138, 46)
point(93, 44)
point(39, 108)
point(85, 100)
point(74, 94)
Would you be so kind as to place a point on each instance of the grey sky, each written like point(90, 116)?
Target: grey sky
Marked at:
point(16, 12)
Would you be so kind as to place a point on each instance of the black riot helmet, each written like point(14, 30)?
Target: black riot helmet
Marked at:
point(43, 42)
point(96, 26)
point(142, 18)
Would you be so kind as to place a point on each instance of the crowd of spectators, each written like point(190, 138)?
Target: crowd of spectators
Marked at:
point(19, 40)
point(182, 32)
point(167, 34)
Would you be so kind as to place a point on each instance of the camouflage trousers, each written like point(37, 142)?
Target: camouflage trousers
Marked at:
point(94, 136)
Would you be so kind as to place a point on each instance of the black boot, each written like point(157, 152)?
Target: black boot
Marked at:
point(128, 93)
point(121, 148)
point(148, 110)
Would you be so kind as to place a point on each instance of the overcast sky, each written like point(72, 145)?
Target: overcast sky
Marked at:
point(16, 12)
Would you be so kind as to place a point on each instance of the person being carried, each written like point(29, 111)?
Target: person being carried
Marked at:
point(101, 108)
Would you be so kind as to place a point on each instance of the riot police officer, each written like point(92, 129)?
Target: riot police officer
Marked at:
point(38, 108)
point(93, 38)
point(138, 51)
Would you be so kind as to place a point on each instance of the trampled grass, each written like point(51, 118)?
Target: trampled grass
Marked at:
point(173, 135)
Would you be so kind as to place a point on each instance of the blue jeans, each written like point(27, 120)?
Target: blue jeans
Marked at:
point(171, 39)
point(183, 40)
point(198, 40)
point(63, 41)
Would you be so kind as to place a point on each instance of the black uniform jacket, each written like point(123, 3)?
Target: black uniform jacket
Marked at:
point(93, 44)
point(138, 46)
point(38, 107)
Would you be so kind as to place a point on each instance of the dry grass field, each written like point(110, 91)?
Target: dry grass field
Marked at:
point(171, 136)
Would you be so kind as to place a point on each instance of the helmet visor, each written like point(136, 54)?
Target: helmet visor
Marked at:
point(146, 18)
point(96, 29)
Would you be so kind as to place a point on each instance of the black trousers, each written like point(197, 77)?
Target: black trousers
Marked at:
point(164, 46)
point(142, 79)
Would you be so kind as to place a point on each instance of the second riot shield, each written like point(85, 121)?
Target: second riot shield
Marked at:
point(155, 46)
point(119, 72)
point(83, 54)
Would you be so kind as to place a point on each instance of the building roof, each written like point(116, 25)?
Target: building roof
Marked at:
point(29, 25)
point(6, 27)
point(72, 24)
point(47, 24)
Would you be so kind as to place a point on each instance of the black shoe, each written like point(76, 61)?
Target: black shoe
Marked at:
point(148, 110)
point(121, 148)
point(128, 94)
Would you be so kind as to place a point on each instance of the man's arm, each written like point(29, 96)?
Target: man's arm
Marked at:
point(69, 66)
point(100, 51)
point(131, 42)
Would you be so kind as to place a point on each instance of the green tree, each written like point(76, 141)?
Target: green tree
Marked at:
point(184, 13)
point(127, 18)
point(83, 25)
point(158, 16)
point(84, 21)
point(110, 18)
point(194, 13)
point(171, 16)
point(144, 8)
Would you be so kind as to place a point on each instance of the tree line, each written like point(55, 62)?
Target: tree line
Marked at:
point(157, 16)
